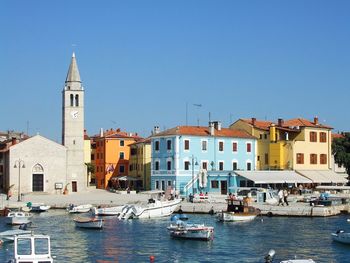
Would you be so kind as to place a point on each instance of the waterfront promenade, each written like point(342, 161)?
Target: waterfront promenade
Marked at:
point(98, 197)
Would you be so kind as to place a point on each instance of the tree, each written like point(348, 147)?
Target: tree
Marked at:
point(341, 151)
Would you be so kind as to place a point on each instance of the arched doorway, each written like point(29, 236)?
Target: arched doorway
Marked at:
point(38, 178)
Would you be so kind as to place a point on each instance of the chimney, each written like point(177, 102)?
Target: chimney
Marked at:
point(253, 121)
point(316, 120)
point(14, 141)
point(217, 125)
point(280, 122)
point(155, 129)
point(211, 128)
point(101, 132)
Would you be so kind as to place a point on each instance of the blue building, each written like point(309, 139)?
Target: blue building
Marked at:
point(195, 159)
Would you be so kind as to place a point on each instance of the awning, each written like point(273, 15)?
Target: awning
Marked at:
point(274, 177)
point(323, 176)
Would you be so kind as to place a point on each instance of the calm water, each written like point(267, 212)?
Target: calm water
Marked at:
point(137, 240)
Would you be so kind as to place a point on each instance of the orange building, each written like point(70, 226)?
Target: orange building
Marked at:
point(111, 155)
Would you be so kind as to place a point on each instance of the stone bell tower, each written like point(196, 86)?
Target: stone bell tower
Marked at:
point(73, 128)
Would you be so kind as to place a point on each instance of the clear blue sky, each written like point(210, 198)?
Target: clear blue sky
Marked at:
point(141, 61)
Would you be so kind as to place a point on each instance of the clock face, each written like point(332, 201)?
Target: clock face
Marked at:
point(74, 114)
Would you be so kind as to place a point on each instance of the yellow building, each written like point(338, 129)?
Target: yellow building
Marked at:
point(140, 164)
point(87, 157)
point(297, 144)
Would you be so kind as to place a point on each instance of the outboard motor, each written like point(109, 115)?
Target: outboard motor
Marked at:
point(269, 257)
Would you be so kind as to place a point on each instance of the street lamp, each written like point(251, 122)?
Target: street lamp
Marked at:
point(193, 164)
point(20, 164)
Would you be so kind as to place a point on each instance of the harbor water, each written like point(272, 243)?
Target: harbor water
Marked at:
point(137, 240)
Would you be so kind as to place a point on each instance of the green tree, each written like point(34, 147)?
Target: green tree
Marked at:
point(341, 151)
point(90, 168)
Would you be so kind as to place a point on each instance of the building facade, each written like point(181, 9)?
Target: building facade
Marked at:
point(200, 159)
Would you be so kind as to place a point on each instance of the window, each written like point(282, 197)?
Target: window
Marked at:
point(221, 146)
point(313, 158)
point(249, 147)
point(205, 165)
point(92, 157)
point(156, 145)
point(323, 158)
point(121, 169)
point(313, 136)
point(168, 164)
point(156, 165)
point(234, 147)
point(215, 184)
point(234, 166)
point(260, 136)
point(265, 136)
point(249, 166)
point(187, 165)
point(121, 155)
point(157, 184)
point(266, 158)
point(71, 100)
point(323, 137)
point(169, 183)
point(121, 142)
point(204, 145)
point(186, 145)
point(76, 100)
point(130, 167)
point(168, 145)
point(300, 158)
point(221, 166)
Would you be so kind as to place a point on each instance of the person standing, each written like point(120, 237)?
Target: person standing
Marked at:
point(285, 196)
point(280, 197)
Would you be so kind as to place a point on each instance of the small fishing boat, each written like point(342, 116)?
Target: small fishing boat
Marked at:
point(38, 208)
point(79, 208)
point(341, 236)
point(9, 235)
point(84, 222)
point(191, 231)
point(107, 211)
point(269, 259)
point(238, 211)
point(18, 218)
point(32, 248)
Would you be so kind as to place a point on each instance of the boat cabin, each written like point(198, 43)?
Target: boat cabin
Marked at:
point(236, 206)
point(32, 249)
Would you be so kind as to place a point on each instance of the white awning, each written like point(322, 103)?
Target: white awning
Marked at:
point(274, 177)
point(323, 176)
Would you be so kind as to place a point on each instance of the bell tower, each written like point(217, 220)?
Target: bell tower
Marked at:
point(73, 128)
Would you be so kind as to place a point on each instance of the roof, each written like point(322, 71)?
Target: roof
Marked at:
point(337, 136)
point(304, 123)
point(145, 140)
point(263, 125)
point(204, 131)
point(273, 177)
point(73, 71)
point(323, 176)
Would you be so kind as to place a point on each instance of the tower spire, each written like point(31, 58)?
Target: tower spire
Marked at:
point(73, 71)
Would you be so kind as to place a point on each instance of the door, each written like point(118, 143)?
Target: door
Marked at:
point(223, 187)
point(74, 186)
point(38, 183)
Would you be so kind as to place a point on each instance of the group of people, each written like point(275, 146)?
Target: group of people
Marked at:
point(283, 196)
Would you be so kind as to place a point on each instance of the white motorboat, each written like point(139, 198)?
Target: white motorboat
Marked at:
point(154, 208)
point(191, 231)
point(18, 218)
point(341, 236)
point(237, 211)
point(107, 211)
point(38, 208)
point(269, 259)
point(9, 235)
point(32, 248)
point(79, 208)
point(83, 222)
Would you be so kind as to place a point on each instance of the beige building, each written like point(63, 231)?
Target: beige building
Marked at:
point(140, 164)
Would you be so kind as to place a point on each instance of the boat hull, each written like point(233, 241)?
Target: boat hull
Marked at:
point(196, 233)
point(79, 209)
point(107, 211)
point(18, 218)
point(235, 217)
point(341, 237)
point(93, 223)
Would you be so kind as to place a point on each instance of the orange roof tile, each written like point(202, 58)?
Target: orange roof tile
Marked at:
point(303, 123)
point(263, 125)
point(204, 131)
point(337, 136)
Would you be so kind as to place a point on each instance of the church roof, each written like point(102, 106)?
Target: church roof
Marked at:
point(73, 72)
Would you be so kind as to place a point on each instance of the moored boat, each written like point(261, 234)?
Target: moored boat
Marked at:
point(9, 235)
point(341, 236)
point(191, 231)
point(38, 208)
point(32, 248)
point(18, 218)
point(238, 211)
point(269, 259)
point(95, 223)
point(79, 208)
point(107, 211)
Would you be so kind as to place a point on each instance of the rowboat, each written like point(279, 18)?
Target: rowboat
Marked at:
point(38, 208)
point(84, 222)
point(191, 231)
point(341, 236)
point(18, 218)
point(79, 208)
point(237, 211)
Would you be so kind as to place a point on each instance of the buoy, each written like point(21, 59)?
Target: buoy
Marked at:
point(151, 258)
